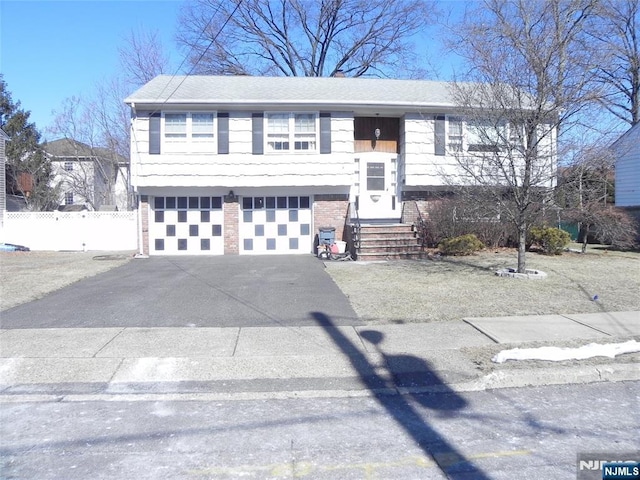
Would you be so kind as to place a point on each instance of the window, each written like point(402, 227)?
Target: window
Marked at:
point(68, 198)
point(184, 126)
point(202, 125)
point(516, 135)
point(278, 131)
point(375, 176)
point(485, 135)
point(305, 131)
point(175, 125)
point(285, 130)
point(68, 166)
point(455, 135)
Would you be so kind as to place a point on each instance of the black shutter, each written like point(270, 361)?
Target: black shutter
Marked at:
point(223, 133)
point(325, 132)
point(257, 133)
point(154, 133)
point(440, 140)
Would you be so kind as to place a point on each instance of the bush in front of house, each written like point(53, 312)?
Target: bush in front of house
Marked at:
point(462, 245)
point(551, 240)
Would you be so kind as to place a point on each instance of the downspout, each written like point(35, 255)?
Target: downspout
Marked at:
point(137, 194)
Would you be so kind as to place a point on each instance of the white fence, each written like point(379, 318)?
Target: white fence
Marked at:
point(76, 231)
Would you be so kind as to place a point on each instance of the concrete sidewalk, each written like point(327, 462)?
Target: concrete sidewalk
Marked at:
point(324, 360)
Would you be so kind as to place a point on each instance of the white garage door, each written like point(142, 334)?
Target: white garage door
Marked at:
point(186, 226)
point(272, 225)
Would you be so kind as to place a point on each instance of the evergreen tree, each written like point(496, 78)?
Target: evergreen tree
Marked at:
point(28, 171)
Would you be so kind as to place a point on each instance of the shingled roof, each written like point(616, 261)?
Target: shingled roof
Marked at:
point(321, 91)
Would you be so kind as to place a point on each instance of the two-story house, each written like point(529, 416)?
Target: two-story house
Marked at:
point(90, 177)
point(3, 189)
point(255, 165)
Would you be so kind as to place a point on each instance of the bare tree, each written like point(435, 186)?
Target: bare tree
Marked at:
point(142, 57)
point(527, 86)
point(302, 37)
point(91, 140)
point(101, 121)
point(614, 47)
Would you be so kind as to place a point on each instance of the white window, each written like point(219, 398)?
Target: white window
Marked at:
point(305, 131)
point(278, 131)
point(287, 130)
point(485, 135)
point(455, 135)
point(175, 125)
point(516, 135)
point(202, 125)
point(180, 127)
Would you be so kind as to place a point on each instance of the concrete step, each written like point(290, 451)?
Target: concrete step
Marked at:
point(386, 229)
point(384, 241)
point(377, 256)
point(405, 248)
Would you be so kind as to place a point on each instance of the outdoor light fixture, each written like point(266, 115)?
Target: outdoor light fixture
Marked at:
point(377, 133)
point(231, 196)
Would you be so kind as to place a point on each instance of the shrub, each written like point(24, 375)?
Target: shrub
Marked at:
point(551, 240)
point(462, 245)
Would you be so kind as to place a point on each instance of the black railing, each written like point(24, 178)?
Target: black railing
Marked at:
point(421, 227)
point(354, 224)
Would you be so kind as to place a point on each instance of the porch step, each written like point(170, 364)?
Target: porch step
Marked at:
point(388, 241)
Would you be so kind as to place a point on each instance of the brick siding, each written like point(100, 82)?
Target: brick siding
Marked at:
point(231, 226)
point(331, 211)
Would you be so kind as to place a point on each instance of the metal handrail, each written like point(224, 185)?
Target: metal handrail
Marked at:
point(355, 226)
point(421, 226)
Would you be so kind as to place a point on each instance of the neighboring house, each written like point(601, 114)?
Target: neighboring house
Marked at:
point(95, 178)
point(3, 188)
point(255, 165)
point(627, 151)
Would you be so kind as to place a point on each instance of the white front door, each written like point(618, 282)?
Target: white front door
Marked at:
point(377, 192)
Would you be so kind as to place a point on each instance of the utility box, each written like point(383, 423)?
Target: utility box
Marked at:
point(326, 235)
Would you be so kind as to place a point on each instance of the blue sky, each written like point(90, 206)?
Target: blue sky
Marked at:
point(51, 50)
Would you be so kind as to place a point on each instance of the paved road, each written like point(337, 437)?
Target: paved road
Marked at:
point(527, 433)
point(224, 291)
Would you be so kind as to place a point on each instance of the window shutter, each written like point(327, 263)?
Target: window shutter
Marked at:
point(223, 133)
point(257, 133)
point(439, 130)
point(154, 133)
point(325, 132)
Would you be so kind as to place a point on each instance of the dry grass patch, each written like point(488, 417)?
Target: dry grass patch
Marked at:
point(27, 276)
point(457, 287)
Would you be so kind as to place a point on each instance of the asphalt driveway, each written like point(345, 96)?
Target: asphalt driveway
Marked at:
point(226, 291)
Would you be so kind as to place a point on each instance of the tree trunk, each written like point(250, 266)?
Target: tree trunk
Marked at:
point(522, 248)
point(585, 237)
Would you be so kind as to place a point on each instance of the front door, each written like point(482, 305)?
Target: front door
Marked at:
point(377, 193)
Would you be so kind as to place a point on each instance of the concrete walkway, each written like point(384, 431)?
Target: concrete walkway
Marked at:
point(323, 360)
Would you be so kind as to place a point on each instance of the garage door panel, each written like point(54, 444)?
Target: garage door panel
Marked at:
point(187, 226)
point(275, 225)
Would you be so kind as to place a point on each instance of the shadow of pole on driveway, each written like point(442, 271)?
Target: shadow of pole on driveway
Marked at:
point(451, 462)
